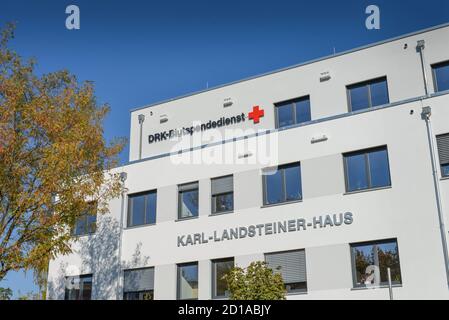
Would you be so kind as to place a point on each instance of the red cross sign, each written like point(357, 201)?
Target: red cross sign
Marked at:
point(256, 114)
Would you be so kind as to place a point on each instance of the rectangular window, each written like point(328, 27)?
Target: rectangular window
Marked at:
point(220, 268)
point(371, 260)
point(292, 112)
point(292, 266)
point(138, 284)
point(188, 281)
point(443, 153)
point(368, 94)
point(441, 76)
point(222, 194)
point(87, 222)
point(78, 287)
point(188, 200)
point(142, 208)
point(282, 184)
point(367, 169)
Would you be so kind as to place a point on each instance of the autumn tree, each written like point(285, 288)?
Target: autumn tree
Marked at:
point(256, 282)
point(54, 161)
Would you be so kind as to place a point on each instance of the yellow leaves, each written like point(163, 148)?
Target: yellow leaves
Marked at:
point(51, 144)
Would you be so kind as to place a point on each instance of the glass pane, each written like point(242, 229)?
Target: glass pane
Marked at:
point(221, 269)
point(86, 288)
point(285, 115)
point(146, 295)
point(223, 202)
point(379, 168)
point(303, 111)
point(359, 97)
point(138, 208)
point(379, 93)
point(356, 172)
point(80, 227)
point(293, 183)
point(389, 258)
point(151, 208)
point(445, 170)
point(274, 188)
point(296, 287)
point(363, 258)
point(188, 281)
point(442, 77)
point(189, 203)
point(131, 296)
point(91, 223)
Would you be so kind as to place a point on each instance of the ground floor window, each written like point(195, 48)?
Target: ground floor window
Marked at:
point(188, 281)
point(78, 287)
point(292, 266)
point(371, 261)
point(220, 268)
point(138, 284)
point(142, 295)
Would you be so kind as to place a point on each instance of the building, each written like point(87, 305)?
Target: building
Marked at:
point(335, 170)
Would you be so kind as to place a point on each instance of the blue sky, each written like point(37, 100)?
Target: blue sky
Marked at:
point(142, 52)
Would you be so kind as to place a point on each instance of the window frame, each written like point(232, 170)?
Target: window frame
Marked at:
point(367, 83)
point(81, 290)
point(293, 103)
point(213, 208)
point(178, 279)
point(434, 75)
point(180, 199)
point(214, 276)
point(85, 216)
point(441, 162)
point(294, 291)
point(284, 185)
point(130, 214)
point(373, 243)
point(141, 291)
point(365, 152)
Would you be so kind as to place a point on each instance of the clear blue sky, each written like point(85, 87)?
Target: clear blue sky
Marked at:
point(141, 52)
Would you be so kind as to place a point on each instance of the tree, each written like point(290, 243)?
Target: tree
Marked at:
point(54, 161)
point(5, 293)
point(257, 282)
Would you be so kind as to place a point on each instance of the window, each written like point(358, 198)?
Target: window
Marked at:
point(222, 194)
point(188, 200)
point(441, 76)
point(368, 94)
point(142, 209)
point(87, 222)
point(292, 112)
point(188, 281)
point(138, 284)
point(443, 153)
point(367, 169)
point(292, 267)
point(219, 285)
point(371, 260)
point(78, 287)
point(283, 184)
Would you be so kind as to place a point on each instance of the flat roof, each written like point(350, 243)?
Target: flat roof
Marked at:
point(295, 66)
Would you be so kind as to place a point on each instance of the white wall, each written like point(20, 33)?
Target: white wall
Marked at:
point(406, 211)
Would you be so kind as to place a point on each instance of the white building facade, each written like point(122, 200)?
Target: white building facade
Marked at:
point(334, 172)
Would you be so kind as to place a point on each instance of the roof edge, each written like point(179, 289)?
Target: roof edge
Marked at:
point(414, 33)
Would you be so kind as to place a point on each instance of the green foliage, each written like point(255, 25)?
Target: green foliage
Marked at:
point(53, 158)
point(257, 282)
point(5, 293)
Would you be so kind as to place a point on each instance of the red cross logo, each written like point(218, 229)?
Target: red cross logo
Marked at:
point(256, 114)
